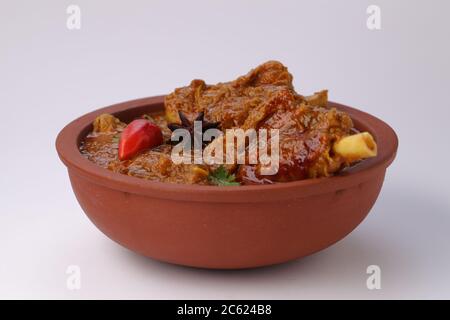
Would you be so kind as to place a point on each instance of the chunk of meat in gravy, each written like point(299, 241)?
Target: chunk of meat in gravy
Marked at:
point(306, 136)
point(299, 155)
point(101, 146)
point(265, 98)
point(157, 165)
point(229, 102)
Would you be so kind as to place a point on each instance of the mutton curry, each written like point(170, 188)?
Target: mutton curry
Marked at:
point(314, 140)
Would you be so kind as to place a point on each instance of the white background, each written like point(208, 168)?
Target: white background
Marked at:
point(50, 75)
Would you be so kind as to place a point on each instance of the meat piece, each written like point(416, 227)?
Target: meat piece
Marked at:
point(107, 123)
point(101, 147)
point(264, 98)
point(306, 136)
point(230, 102)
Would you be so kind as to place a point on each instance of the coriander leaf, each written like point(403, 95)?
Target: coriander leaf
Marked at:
point(221, 177)
point(116, 138)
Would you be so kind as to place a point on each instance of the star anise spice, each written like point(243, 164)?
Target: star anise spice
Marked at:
point(189, 126)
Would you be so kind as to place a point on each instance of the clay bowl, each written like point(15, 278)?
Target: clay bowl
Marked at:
point(224, 227)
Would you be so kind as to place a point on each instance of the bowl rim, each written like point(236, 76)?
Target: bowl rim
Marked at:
point(67, 146)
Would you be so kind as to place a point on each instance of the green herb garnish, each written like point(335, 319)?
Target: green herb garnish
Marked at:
point(116, 138)
point(221, 177)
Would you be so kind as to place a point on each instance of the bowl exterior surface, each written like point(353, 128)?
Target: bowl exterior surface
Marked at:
point(225, 235)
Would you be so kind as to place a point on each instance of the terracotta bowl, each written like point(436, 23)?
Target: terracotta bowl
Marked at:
point(224, 227)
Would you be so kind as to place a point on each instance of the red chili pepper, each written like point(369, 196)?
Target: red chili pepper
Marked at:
point(140, 134)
